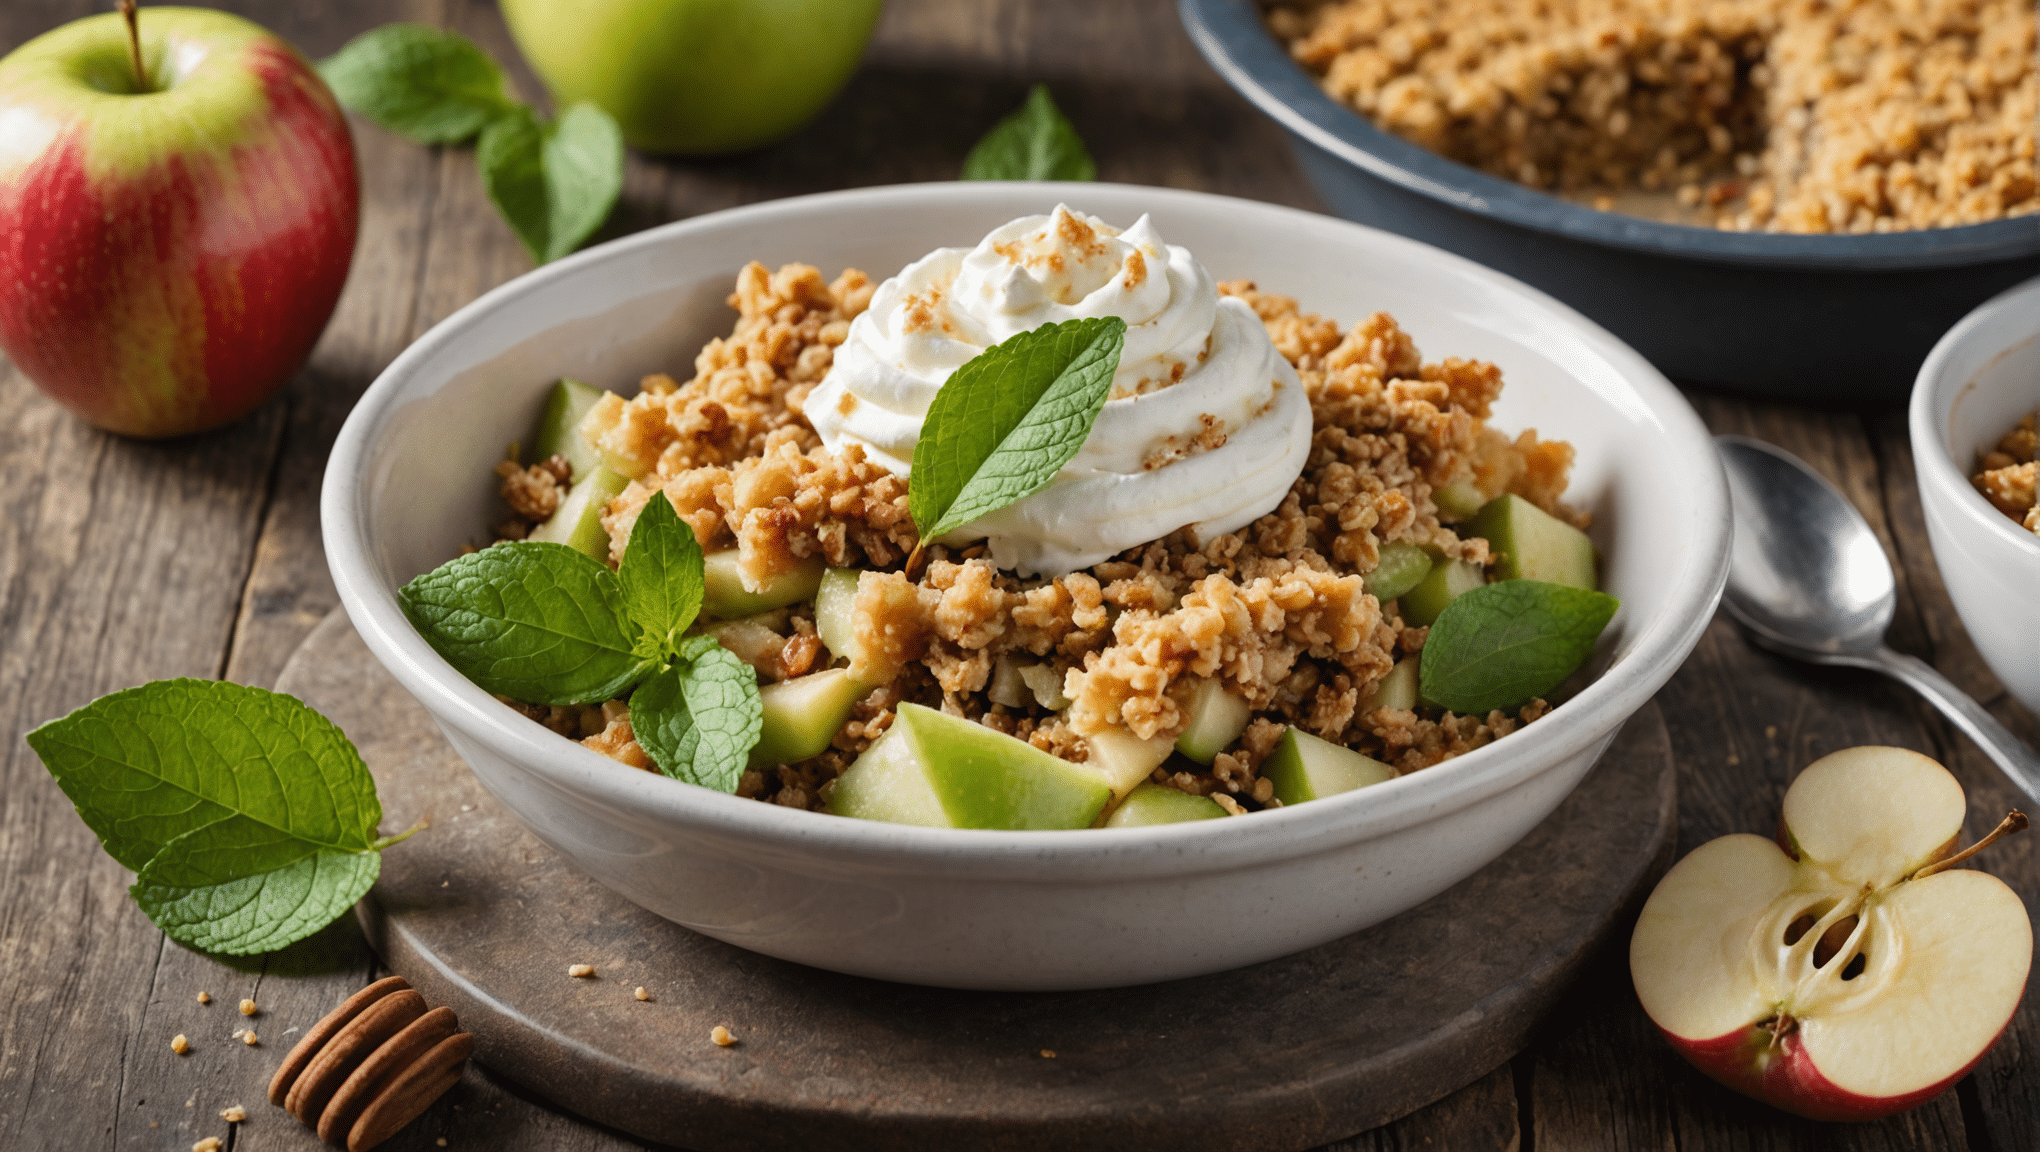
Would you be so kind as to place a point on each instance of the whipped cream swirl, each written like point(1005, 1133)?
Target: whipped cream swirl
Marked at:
point(1207, 425)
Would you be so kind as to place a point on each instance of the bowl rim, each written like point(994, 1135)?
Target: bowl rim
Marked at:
point(1592, 716)
point(1230, 35)
point(1935, 393)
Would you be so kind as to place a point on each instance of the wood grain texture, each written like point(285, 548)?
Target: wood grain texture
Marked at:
point(122, 562)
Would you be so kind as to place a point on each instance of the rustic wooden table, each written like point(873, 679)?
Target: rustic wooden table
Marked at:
point(126, 562)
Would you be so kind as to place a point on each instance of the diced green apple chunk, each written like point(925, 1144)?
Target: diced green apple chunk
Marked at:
point(1534, 544)
point(1448, 581)
point(1398, 689)
point(725, 594)
point(1047, 685)
point(1152, 804)
point(944, 771)
point(559, 429)
point(1401, 568)
point(1007, 686)
point(1458, 501)
point(835, 597)
point(1217, 716)
point(1125, 759)
point(803, 714)
point(1304, 768)
point(577, 522)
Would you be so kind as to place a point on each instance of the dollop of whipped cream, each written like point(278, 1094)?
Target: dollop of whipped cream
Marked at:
point(1207, 425)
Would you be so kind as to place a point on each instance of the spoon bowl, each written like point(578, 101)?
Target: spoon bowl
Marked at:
point(1808, 579)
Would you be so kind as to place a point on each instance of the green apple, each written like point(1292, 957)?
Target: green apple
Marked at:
point(1305, 768)
point(1155, 804)
point(577, 522)
point(1401, 568)
point(944, 771)
point(1398, 689)
point(1533, 544)
point(1448, 581)
point(1217, 716)
point(834, 598)
point(1125, 759)
point(726, 594)
point(803, 714)
point(1457, 502)
point(559, 429)
point(695, 76)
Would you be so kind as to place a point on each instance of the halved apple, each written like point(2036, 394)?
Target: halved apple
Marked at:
point(1852, 980)
point(945, 771)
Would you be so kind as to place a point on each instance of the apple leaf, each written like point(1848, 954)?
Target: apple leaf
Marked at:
point(1005, 423)
point(250, 817)
point(1501, 644)
point(432, 86)
point(529, 620)
point(555, 183)
point(1033, 142)
point(700, 717)
point(662, 577)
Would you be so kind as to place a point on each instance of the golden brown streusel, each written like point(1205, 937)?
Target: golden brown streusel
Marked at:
point(1277, 610)
point(2009, 476)
point(1800, 116)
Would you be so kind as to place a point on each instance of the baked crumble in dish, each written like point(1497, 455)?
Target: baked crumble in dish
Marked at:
point(2009, 474)
point(1244, 558)
point(1758, 115)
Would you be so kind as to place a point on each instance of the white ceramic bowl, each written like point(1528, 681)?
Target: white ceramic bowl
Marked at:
point(1976, 383)
point(409, 481)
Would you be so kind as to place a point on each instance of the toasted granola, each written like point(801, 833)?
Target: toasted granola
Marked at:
point(2008, 475)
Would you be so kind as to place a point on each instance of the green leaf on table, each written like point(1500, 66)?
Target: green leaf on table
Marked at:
point(533, 621)
point(662, 577)
point(1033, 142)
point(1501, 644)
point(1005, 423)
point(430, 85)
point(555, 183)
point(250, 817)
point(699, 718)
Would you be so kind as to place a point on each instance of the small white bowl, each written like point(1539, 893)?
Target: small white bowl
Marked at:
point(409, 481)
point(1976, 384)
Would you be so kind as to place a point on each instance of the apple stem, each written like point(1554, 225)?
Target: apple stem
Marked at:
point(2014, 822)
point(131, 14)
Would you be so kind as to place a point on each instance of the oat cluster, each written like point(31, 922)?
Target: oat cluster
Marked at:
point(2008, 475)
point(1766, 115)
point(1277, 610)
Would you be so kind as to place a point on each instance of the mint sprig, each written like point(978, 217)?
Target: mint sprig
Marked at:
point(547, 624)
point(553, 182)
point(1033, 142)
point(1502, 644)
point(1005, 423)
point(249, 817)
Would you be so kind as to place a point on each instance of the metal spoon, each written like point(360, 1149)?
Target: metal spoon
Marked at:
point(1808, 579)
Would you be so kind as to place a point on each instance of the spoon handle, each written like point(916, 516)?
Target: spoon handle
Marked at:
point(1997, 742)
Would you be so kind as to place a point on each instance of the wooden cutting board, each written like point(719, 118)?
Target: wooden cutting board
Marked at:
point(1289, 1054)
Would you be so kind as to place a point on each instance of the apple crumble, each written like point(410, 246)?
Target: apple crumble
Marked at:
point(1794, 116)
point(2008, 475)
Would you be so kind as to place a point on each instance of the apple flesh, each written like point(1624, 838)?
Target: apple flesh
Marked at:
point(726, 593)
point(1840, 984)
point(1304, 767)
point(835, 596)
point(1152, 804)
point(802, 715)
point(1447, 581)
point(944, 771)
point(1125, 760)
point(559, 429)
point(169, 252)
point(1217, 716)
point(1398, 689)
point(577, 522)
point(1533, 544)
point(1400, 568)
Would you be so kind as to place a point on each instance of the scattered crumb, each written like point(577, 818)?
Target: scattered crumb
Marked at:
point(721, 1036)
point(154, 1124)
point(1734, 759)
point(441, 1141)
point(467, 807)
point(248, 1008)
point(180, 1044)
point(205, 997)
point(209, 1144)
point(248, 1038)
point(641, 993)
point(1770, 731)
point(234, 1114)
point(1048, 1053)
point(446, 883)
point(579, 971)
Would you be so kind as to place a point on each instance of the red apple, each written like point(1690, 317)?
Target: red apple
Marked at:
point(1848, 974)
point(170, 246)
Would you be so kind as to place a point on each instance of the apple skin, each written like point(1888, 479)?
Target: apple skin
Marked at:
point(1786, 1079)
point(168, 259)
point(695, 76)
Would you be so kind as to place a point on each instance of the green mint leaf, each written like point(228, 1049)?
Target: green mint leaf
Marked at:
point(662, 577)
point(1501, 644)
point(532, 621)
point(430, 85)
point(555, 183)
point(238, 913)
point(1034, 142)
point(1005, 423)
point(699, 718)
point(150, 765)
